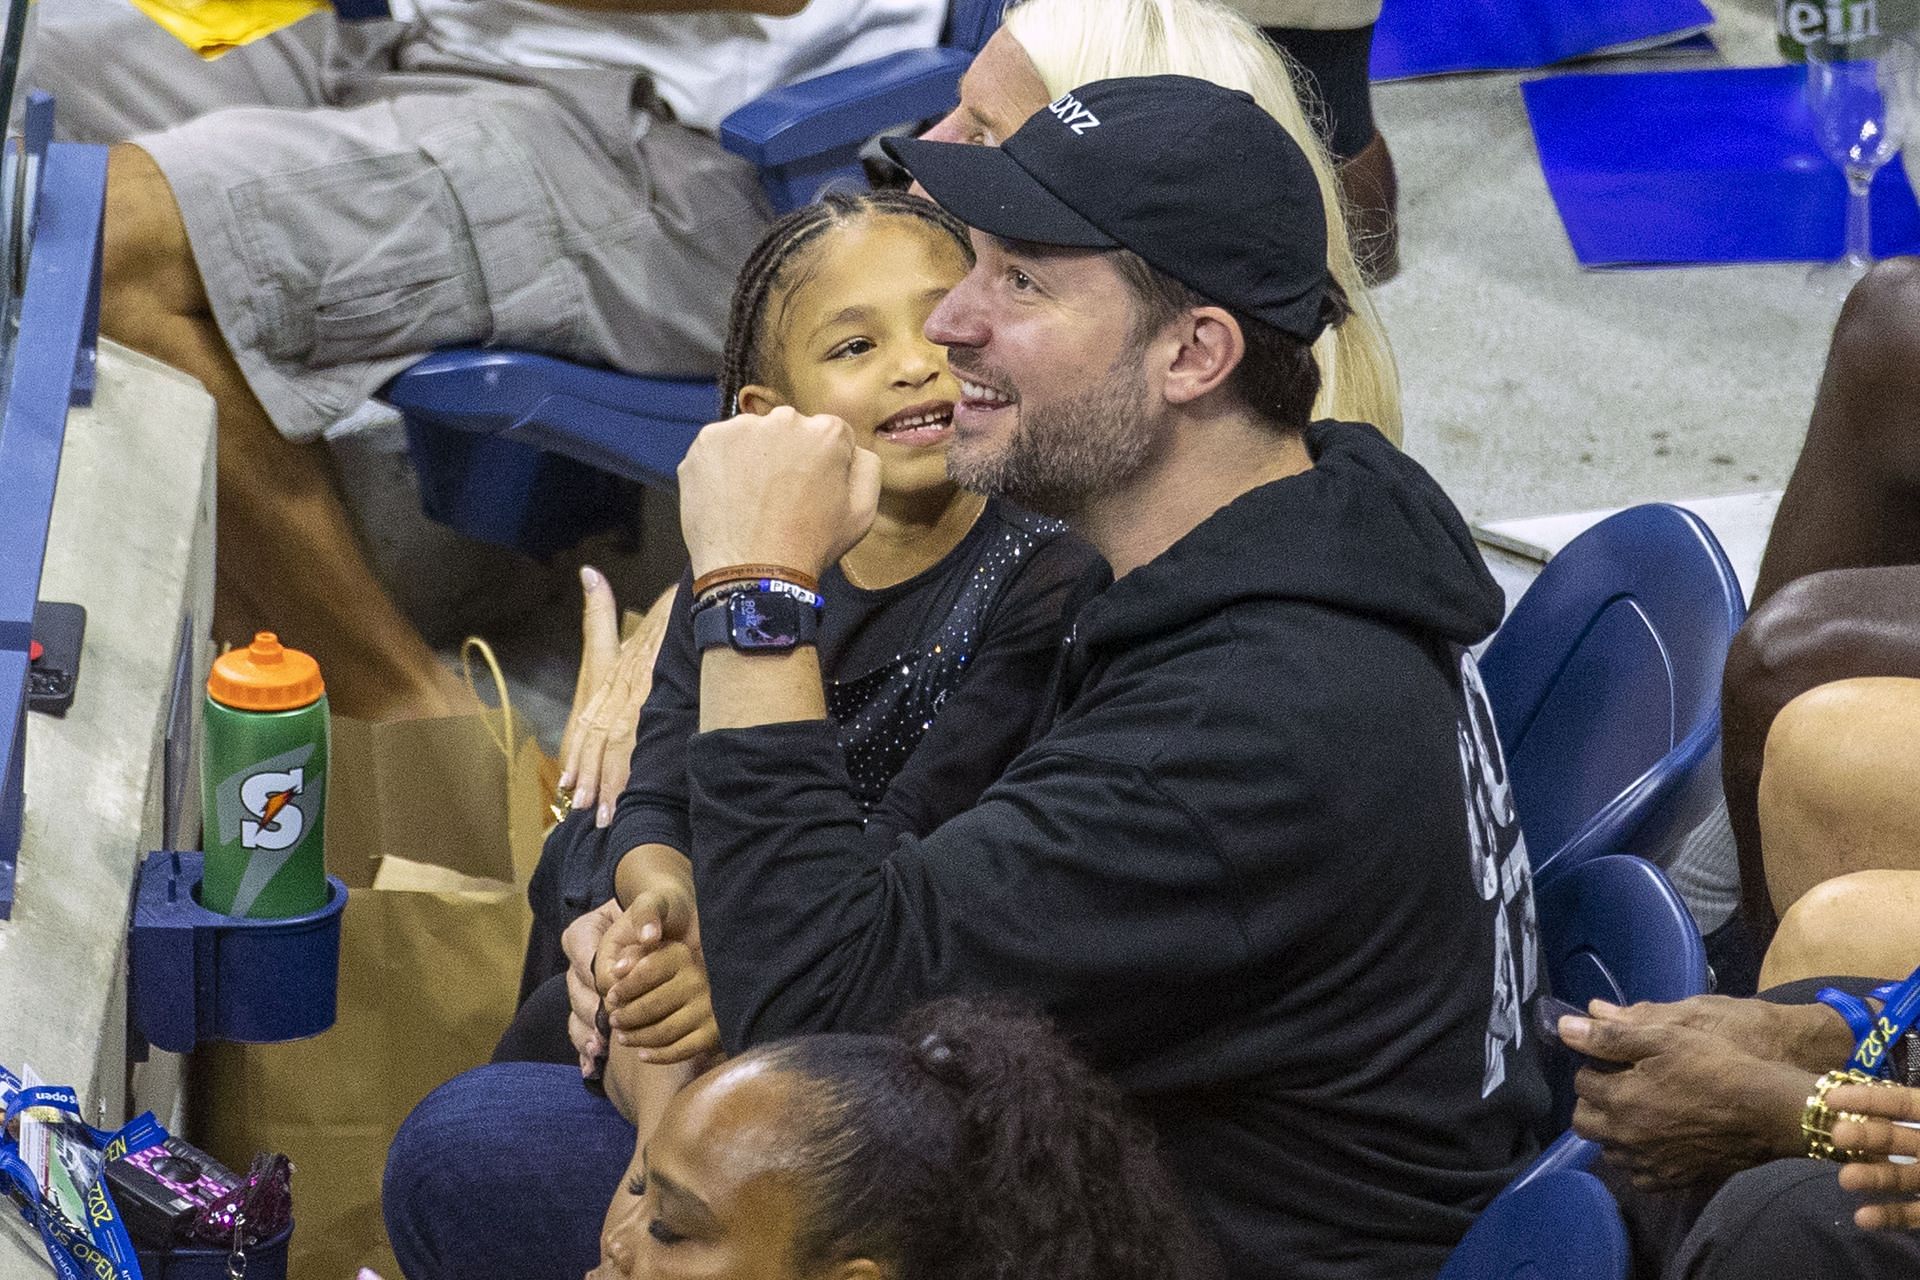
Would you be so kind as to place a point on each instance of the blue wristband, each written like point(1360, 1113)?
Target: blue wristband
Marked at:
point(1852, 1008)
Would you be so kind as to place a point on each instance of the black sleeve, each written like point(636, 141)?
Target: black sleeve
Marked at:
point(653, 808)
point(1075, 881)
point(989, 716)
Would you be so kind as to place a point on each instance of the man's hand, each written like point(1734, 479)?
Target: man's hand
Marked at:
point(1810, 1036)
point(781, 489)
point(1882, 1135)
point(580, 941)
point(1689, 1106)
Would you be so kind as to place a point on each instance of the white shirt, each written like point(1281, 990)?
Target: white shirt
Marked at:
point(703, 64)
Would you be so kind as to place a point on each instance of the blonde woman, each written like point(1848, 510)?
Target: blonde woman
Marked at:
point(1047, 47)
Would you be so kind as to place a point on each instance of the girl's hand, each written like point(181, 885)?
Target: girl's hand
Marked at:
point(1881, 1136)
point(653, 979)
point(661, 1008)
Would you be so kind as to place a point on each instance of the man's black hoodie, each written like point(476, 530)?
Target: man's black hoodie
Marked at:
point(1262, 869)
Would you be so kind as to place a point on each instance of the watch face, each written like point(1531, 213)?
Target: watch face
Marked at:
point(765, 621)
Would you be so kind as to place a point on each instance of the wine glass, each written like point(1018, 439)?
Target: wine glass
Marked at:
point(1860, 91)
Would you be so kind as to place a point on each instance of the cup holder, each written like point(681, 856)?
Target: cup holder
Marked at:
point(196, 975)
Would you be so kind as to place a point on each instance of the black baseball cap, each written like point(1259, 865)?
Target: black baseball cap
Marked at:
point(1195, 178)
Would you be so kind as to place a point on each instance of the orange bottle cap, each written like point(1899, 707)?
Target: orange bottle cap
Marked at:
point(265, 677)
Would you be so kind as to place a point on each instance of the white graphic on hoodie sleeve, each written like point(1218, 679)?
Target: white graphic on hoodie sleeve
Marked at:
point(1498, 851)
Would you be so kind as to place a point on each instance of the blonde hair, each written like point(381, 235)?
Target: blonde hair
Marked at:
point(1074, 42)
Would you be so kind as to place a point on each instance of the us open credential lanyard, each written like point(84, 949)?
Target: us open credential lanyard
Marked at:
point(99, 1248)
point(1874, 1036)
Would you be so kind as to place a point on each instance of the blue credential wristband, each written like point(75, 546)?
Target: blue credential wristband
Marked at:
point(98, 1248)
point(1874, 1037)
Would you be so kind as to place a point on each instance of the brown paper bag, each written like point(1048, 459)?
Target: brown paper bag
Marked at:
point(430, 954)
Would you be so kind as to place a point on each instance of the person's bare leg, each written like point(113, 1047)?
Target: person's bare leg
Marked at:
point(286, 555)
point(1840, 928)
point(1829, 604)
point(1853, 500)
point(1841, 789)
point(1370, 190)
point(1824, 627)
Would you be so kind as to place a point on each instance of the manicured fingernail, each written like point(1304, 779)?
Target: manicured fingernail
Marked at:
point(621, 967)
point(1575, 1028)
point(566, 780)
point(590, 577)
point(583, 799)
point(649, 932)
point(605, 816)
point(1603, 1006)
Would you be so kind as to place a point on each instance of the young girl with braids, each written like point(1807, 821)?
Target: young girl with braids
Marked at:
point(968, 1144)
point(941, 626)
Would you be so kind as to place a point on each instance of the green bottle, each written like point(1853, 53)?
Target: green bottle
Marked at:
point(264, 783)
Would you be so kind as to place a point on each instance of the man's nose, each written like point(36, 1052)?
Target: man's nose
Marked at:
point(957, 321)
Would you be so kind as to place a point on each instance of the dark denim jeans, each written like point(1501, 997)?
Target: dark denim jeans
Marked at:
point(504, 1173)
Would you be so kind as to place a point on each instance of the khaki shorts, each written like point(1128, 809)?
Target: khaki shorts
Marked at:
point(1316, 15)
point(425, 204)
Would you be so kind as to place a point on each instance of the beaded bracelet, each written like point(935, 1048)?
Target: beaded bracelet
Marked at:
point(741, 586)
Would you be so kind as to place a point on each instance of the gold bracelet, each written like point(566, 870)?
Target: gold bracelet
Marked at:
point(1816, 1121)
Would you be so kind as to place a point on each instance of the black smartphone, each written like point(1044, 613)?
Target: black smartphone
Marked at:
point(54, 672)
point(1547, 1012)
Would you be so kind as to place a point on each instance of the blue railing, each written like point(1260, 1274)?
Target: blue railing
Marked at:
point(52, 369)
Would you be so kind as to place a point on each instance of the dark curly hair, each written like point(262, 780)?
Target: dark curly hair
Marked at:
point(971, 1144)
point(772, 271)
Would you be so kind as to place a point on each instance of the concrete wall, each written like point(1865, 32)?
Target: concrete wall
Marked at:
point(132, 540)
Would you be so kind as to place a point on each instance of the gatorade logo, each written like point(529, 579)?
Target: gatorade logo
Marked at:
point(1068, 110)
point(263, 808)
point(273, 821)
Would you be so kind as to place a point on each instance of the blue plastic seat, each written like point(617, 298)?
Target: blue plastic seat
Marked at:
point(515, 447)
point(1615, 929)
point(1605, 685)
point(1611, 927)
point(1561, 1226)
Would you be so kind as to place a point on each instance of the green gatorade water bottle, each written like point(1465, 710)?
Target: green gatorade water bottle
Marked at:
point(264, 782)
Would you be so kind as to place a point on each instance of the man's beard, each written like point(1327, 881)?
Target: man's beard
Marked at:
point(1064, 456)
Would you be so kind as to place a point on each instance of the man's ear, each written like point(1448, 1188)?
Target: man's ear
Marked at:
point(1211, 348)
point(760, 400)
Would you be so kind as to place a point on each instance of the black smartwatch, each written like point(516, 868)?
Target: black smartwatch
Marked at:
point(756, 622)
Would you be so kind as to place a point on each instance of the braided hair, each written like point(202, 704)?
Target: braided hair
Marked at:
point(971, 1144)
point(770, 273)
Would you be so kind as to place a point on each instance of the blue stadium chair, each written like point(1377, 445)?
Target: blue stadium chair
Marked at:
point(1605, 685)
point(1561, 1226)
point(517, 448)
point(1614, 928)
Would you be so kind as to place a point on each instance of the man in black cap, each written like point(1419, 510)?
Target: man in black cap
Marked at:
point(1263, 866)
